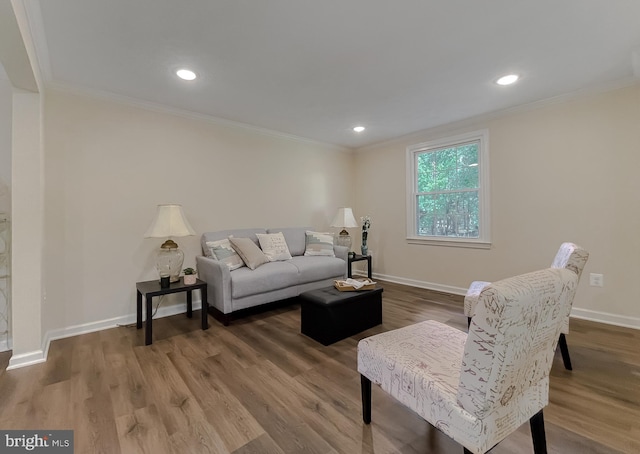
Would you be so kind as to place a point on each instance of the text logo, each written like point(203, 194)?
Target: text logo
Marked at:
point(36, 441)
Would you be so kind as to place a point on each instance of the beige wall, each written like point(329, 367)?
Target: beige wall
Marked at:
point(5, 204)
point(27, 227)
point(562, 172)
point(5, 143)
point(109, 164)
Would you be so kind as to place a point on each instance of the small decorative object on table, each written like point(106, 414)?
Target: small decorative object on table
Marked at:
point(164, 281)
point(366, 223)
point(189, 276)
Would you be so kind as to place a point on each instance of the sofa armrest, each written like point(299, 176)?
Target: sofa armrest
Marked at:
point(471, 298)
point(218, 279)
point(341, 252)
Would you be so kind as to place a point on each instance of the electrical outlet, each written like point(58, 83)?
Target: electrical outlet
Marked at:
point(596, 280)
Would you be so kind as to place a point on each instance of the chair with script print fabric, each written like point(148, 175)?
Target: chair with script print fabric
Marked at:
point(478, 387)
point(569, 256)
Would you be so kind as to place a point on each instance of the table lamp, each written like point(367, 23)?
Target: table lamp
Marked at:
point(344, 218)
point(169, 222)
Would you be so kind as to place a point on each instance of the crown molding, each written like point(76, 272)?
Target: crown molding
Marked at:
point(165, 109)
point(33, 15)
point(26, 26)
point(472, 122)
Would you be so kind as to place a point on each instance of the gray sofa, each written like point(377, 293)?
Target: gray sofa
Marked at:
point(243, 288)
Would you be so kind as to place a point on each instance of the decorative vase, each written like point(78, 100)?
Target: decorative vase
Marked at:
point(189, 279)
point(364, 249)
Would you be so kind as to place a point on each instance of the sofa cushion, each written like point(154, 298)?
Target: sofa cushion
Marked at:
point(268, 277)
point(318, 243)
point(251, 254)
point(222, 251)
point(311, 269)
point(274, 246)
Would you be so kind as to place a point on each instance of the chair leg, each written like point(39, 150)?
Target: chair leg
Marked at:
point(365, 384)
point(537, 433)
point(564, 349)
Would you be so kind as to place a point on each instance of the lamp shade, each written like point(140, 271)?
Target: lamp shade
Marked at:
point(169, 221)
point(344, 218)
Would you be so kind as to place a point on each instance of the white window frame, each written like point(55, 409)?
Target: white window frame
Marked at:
point(484, 232)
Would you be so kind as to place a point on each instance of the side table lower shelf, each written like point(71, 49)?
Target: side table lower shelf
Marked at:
point(152, 288)
point(359, 258)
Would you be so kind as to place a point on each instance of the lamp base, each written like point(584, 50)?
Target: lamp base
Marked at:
point(344, 239)
point(169, 261)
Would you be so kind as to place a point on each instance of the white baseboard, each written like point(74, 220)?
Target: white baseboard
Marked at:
point(39, 356)
point(605, 317)
point(576, 312)
point(27, 359)
point(416, 283)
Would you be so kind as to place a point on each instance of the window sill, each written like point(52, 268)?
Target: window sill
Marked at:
point(450, 242)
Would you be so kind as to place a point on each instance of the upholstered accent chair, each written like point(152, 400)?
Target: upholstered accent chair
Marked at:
point(569, 256)
point(477, 387)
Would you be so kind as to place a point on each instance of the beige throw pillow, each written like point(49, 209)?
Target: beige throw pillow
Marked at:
point(251, 254)
point(318, 243)
point(274, 246)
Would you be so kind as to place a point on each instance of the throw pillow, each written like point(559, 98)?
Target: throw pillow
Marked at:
point(274, 246)
point(251, 254)
point(318, 243)
point(222, 251)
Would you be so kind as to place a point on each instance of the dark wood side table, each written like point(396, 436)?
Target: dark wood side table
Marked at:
point(152, 288)
point(359, 258)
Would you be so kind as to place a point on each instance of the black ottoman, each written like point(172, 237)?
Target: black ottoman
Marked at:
point(329, 315)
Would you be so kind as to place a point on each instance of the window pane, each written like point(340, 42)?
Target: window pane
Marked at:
point(468, 166)
point(426, 172)
point(452, 215)
point(448, 169)
point(446, 159)
point(468, 177)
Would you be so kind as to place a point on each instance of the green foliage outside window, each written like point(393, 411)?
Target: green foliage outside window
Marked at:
point(447, 191)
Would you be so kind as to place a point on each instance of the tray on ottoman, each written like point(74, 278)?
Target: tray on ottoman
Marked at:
point(347, 285)
point(329, 315)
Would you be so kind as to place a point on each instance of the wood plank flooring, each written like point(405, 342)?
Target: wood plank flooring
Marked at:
point(259, 386)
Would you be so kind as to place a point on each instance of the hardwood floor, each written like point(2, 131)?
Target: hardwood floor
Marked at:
point(259, 386)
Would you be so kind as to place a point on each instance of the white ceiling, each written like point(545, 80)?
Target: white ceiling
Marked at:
point(316, 68)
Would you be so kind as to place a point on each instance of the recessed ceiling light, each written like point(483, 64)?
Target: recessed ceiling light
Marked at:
point(186, 74)
point(507, 80)
point(359, 128)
